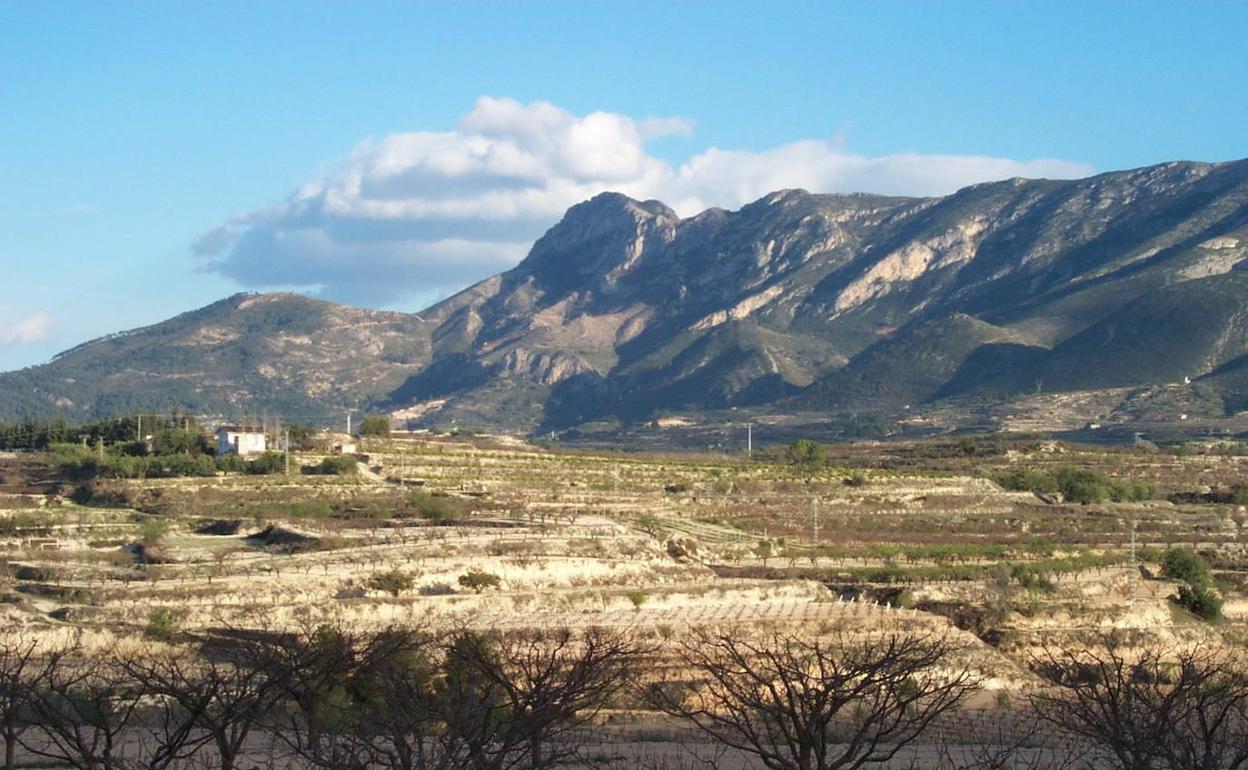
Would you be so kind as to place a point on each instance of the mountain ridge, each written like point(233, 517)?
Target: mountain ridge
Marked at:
point(796, 301)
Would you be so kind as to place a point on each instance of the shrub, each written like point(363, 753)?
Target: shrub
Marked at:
point(1027, 481)
point(311, 509)
point(638, 598)
point(342, 465)
point(1195, 594)
point(856, 479)
point(230, 464)
point(162, 623)
point(393, 582)
point(173, 441)
point(432, 507)
point(152, 531)
point(805, 453)
point(1031, 578)
point(1201, 601)
point(649, 523)
point(1185, 565)
point(479, 580)
point(763, 550)
point(375, 426)
point(268, 463)
point(1080, 485)
point(1130, 491)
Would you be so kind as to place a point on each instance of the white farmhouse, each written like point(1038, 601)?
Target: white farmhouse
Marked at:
point(236, 440)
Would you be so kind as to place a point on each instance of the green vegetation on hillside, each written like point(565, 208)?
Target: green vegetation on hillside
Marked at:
point(1076, 485)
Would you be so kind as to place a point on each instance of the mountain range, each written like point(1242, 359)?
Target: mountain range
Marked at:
point(797, 303)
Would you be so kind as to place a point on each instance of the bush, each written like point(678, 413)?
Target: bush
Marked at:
point(311, 509)
point(805, 453)
point(1195, 594)
point(342, 465)
point(1081, 485)
point(1201, 601)
point(162, 624)
point(375, 426)
point(855, 479)
point(152, 530)
point(1185, 565)
point(230, 464)
point(393, 582)
point(1032, 579)
point(433, 507)
point(268, 463)
point(1076, 485)
point(173, 441)
point(1027, 481)
point(1131, 491)
point(479, 580)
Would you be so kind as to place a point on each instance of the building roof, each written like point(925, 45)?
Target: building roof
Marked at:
point(239, 429)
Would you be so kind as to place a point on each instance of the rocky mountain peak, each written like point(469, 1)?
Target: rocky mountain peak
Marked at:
point(1126, 279)
point(604, 234)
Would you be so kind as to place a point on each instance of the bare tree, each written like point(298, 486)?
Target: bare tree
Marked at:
point(1146, 707)
point(1008, 738)
point(93, 714)
point(20, 669)
point(513, 700)
point(396, 720)
point(799, 703)
point(224, 700)
point(308, 668)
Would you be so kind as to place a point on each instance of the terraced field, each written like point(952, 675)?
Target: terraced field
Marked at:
point(915, 537)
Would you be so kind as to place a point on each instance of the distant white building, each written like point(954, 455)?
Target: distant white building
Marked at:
point(236, 440)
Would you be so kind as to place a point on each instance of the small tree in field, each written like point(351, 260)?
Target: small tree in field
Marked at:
point(375, 426)
point(479, 580)
point(805, 454)
point(393, 582)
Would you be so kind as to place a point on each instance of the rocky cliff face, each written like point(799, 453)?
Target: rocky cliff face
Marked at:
point(831, 301)
point(795, 301)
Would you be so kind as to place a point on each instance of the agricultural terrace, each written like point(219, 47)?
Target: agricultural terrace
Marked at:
point(975, 535)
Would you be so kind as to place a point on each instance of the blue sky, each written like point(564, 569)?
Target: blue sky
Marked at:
point(159, 156)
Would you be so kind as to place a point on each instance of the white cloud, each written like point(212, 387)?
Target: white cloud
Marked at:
point(424, 212)
point(29, 330)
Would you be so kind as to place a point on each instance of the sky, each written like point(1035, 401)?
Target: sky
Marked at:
point(158, 156)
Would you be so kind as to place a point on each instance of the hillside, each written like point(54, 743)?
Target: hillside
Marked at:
point(796, 302)
point(248, 355)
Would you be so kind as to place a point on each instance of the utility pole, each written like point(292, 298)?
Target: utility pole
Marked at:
point(348, 423)
point(749, 439)
point(138, 430)
point(1135, 567)
point(814, 521)
point(288, 453)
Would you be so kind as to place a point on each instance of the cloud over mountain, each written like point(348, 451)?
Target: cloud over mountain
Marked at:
point(26, 331)
point(425, 212)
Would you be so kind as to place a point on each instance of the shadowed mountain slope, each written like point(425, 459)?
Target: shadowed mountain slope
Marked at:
point(796, 301)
